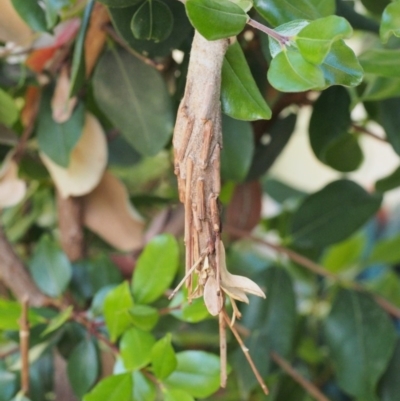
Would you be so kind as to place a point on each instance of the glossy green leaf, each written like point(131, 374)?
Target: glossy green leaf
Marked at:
point(135, 99)
point(117, 304)
point(52, 9)
point(245, 5)
point(153, 20)
point(333, 213)
point(343, 255)
point(135, 347)
point(281, 191)
point(238, 149)
point(155, 268)
point(240, 96)
point(379, 88)
point(390, 182)
point(341, 66)
point(58, 140)
point(389, 118)
point(332, 105)
point(8, 384)
point(11, 312)
point(58, 321)
point(390, 23)
point(8, 109)
point(50, 267)
point(163, 358)
point(389, 388)
point(387, 285)
point(120, 3)
point(344, 154)
point(143, 388)
point(20, 397)
point(193, 312)
point(197, 373)
point(177, 395)
point(381, 62)
point(31, 13)
point(386, 251)
point(83, 367)
point(315, 40)
point(112, 388)
point(375, 6)
point(361, 339)
point(78, 59)
point(277, 12)
point(181, 29)
point(216, 19)
point(290, 72)
point(144, 317)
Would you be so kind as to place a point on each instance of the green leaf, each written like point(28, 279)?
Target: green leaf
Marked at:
point(117, 304)
point(51, 9)
point(57, 140)
point(11, 312)
point(343, 255)
point(390, 182)
point(237, 153)
point(387, 285)
point(216, 19)
point(135, 347)
point(379, 88)
point(382, 62)
point(31, 13)
point(333, 213)
point(390, 23)
point(332, 105)
point(144, 317)
point(290, 72)
point(112, 388)
point(152, 20)
point(389, 118)
point(277, 12)
point(386, 251)
point(135, 99)
point(50, 267)
point(163, 358)
point(245, 5)
point(361, 339)
point(389, 388)
point(143, 388)
point(315, 40)
point(83, 367)
point(173, 394)
point(78, 70)
point(155, 268)
point(240, 96)
point(8, 385)
point(181, 30)
point(341, 66)
point(193, 312)
point(375, 6)
point(119, 3)
point(197, 373)
point(58, 321)
point(8, 110)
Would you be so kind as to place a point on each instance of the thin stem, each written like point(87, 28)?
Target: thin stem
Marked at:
point(246, 354)
point(222, 349)
point(315, 268)
point(283, 40)
point(363, 130)
point(297, 377)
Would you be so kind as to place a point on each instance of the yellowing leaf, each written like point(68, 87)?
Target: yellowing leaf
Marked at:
point(108, 213)
point(87, 162)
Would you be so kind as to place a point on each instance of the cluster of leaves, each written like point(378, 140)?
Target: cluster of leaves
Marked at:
point(101, 122)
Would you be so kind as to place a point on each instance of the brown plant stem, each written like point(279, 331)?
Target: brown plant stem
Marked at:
point(15, 277)
point(365, 131)
point(24, 346)
point(297, 377)
point(316, 268)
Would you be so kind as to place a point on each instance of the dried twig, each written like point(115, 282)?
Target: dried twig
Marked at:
point(315, 268)
point(24, 346)
point(297, 377)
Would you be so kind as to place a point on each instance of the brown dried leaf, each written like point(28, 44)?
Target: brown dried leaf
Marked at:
point(108, 212)
point(88, 161)
point(12, 189)
point(61, 104)
point(212, 297)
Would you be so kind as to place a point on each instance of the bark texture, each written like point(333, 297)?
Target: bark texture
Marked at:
point(197, 146)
